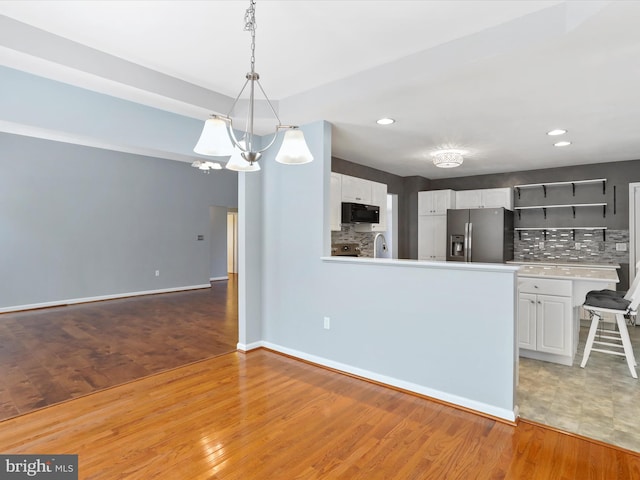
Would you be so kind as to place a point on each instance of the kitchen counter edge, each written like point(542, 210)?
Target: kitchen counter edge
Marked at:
point(393, 262)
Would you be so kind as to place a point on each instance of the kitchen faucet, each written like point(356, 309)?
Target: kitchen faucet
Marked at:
point(375, 244)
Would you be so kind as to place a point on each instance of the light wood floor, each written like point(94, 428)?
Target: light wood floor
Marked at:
point(265, 416)
point(55, 354)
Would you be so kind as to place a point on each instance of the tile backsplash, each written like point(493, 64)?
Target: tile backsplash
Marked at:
point(560, 247)
point(349, 235)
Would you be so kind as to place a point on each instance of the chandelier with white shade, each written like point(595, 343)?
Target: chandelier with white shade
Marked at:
point(218, 138)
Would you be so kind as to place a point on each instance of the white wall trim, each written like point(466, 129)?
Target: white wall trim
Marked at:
point(633, 255)
point(249, 346)
point(59, 303)
point(215, 279)
point(75, 139)
point(394, 382)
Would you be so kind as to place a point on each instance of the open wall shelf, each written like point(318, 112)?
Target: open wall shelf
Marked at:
point(573, 184)
point(571, 205)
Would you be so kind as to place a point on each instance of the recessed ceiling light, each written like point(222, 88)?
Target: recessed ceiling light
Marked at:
point(557, 131)
point(385, 121)
point(561, 144)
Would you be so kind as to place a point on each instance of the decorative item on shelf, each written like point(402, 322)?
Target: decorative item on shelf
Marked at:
point(219, 140)
point(449, 158)
point(206, 166)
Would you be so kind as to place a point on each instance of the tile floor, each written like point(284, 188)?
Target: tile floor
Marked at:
point(601, 401)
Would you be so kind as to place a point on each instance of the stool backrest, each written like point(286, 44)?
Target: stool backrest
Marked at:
point(634, 284)
point(634, 297)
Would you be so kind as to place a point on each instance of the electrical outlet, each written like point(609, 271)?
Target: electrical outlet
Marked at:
point(541, 245)
point(578, 246)
point(157, 273)
point(327, 323)
point(621, 247)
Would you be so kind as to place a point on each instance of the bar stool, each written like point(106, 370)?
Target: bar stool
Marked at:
point(613, 342)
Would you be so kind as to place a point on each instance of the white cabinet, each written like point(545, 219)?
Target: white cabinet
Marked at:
point(379, 198)
point(545, 320)
point(436, 202)
point(527, 321)
point(345, 188)
point(485, 198)
point(432, 237)
point(335, 201)
point(356, 190)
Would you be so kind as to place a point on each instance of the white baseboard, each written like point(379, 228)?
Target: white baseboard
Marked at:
point(249, 346)
point(402, 384)
point(215, 279)
point(72, 301)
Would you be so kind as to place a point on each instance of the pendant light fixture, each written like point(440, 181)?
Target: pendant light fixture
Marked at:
point(219, 140)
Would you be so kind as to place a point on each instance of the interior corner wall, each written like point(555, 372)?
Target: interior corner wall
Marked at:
point(81, 222)
point(218, 242)
point(250, 257)
point(387, 322)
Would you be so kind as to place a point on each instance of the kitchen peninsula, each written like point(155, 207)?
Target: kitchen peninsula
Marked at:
point(442, 329)
point(549, 300)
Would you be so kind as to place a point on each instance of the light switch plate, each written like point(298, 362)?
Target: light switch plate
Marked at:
point(621, 247)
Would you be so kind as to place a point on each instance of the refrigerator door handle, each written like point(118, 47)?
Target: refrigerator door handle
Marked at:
point(470, 236)
point(466, 241)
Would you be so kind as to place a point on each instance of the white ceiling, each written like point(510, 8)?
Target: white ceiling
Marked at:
point(487, 76)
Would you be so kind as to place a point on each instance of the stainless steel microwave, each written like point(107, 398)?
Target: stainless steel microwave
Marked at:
point(359, 213)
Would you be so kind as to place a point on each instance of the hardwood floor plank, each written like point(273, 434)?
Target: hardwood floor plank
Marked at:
point(262, 415)
point(55, 354)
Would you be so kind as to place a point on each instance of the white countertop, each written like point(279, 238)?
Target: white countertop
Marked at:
point(577, 265)
point(394, 262)
point(604, 273)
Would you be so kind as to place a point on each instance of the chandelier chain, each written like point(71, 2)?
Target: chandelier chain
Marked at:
point(250, 25)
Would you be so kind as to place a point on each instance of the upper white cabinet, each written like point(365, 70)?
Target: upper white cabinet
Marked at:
point(356, 190)
point(335, 201)
point(345, 188)
point(436, 202)
point(485, 198)
point(379, 198)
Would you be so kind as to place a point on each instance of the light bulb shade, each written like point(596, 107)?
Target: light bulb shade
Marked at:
point(239, 164)
point(206, 166)
point(294, 149)
point(214, 140)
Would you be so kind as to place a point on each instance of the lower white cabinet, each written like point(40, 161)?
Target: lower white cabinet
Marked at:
point(432, 237)
point(545, 320)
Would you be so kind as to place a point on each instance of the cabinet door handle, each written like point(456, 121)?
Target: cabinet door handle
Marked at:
point(539, 302)
point(532, 301)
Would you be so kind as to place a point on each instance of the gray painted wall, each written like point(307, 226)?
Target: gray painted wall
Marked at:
point(78, 222)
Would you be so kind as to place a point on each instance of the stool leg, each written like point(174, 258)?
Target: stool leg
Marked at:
point(592, 335)
point(626, 343)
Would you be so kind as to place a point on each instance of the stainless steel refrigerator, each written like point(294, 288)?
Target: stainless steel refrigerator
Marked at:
point(480, 235)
